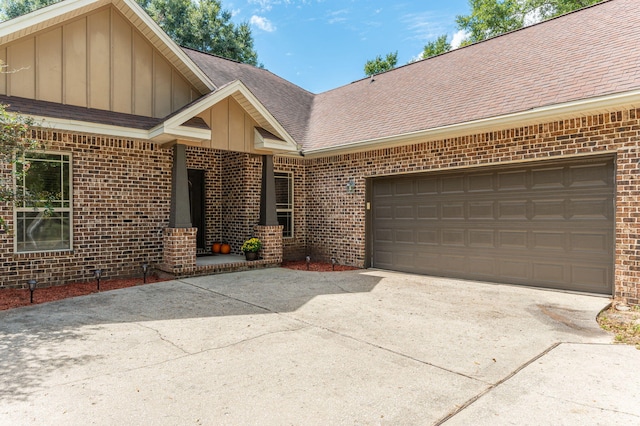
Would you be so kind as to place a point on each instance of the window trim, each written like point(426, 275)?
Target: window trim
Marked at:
point(18, 209)
point(289, 176)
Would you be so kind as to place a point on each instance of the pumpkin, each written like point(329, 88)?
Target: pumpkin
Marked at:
point(225, 248)
point(215, 248)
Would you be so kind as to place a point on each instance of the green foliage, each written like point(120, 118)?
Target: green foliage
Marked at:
point(13, 8)
point(199, 24)
point(252, 245)
point(15, 143)
point(437, 47)
point(378, 65)
point(490, 18)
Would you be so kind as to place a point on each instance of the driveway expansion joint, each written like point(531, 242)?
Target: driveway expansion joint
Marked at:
point(495, 385)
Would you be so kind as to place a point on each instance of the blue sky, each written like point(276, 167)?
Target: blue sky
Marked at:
point(323, 44)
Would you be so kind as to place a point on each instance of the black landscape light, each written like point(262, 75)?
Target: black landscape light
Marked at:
point(308, 261)
point(97, 273)
point(333, 263)
point(32, 286)
point(145, 269)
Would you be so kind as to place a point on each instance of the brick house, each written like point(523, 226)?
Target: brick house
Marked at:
point(513, 160)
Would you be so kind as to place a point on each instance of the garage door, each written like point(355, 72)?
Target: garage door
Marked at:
point(547, 225)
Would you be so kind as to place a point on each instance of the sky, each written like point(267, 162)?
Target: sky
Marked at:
point(323, 44)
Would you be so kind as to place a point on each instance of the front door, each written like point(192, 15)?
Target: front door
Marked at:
point(197, 199)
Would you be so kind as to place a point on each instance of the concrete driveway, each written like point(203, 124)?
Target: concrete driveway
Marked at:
point(278, 346)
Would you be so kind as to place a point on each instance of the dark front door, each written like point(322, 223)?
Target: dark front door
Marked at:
point(197, 199)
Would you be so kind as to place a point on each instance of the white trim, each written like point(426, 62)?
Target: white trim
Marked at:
point(88, 127)
point(542, 114)
point(69, 210)
point(208, 101)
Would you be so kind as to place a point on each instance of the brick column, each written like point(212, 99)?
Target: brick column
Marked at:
point(179, 252)
point(271, 237)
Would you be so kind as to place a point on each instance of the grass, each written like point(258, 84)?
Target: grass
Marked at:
point(625, 325)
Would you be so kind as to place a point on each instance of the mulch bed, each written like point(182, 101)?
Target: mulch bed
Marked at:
point(14, 298)
point(301, 265)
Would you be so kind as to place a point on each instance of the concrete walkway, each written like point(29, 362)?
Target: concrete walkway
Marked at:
point(282, 347)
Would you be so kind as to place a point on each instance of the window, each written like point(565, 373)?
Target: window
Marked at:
point(284, 202)
point(43, 223)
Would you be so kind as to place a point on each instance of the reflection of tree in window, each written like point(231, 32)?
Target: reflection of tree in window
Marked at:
point(284, 202)
point(43, 218)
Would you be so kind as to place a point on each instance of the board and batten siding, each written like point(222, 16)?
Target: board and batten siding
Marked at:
point(97, 61)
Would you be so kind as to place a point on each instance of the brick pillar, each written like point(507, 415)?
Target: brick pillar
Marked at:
point(179, 252)
point(271, 237)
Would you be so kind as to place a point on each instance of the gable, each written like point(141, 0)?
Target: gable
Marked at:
point(97, 60)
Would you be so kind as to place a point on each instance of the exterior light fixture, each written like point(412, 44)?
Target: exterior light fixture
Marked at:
point(32, 286)
point(351, 186)
point(97, 273)
point(333, 263)
point(145, 269)
point(308, 259)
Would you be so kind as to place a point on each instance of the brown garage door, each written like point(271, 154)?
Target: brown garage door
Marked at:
point(544, 224)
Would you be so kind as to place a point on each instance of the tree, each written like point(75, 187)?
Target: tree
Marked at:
point(490, 18)
point(15, 143)
point(199, 24)
point(437, 47)
point(378, 65)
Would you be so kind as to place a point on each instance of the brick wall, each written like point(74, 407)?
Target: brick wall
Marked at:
point(271, 238)
point(336, 219)
point(241, 181)
point(121, 195)
point(179, 253)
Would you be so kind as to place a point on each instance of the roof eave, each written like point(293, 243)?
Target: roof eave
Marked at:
point(543, 114)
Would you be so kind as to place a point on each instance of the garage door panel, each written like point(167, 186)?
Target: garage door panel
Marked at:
point(426, 186)
point(512, 210)
point(453, 210)
point(598, 243)
point(481, 238)
point(428, 211)
point(428, 237)
point(550, 241)
point(481, 210)
point(590, 208)
point(593, 175)
point(512, 181)
point(548, 209)
point(452, 185)
point(481, 182)
point(404, 212)
point(404, 236)
point(549, 225)
point(513, 239)
point(453, 237)
point(547, 178)
point(514, 270)
point(550, 273)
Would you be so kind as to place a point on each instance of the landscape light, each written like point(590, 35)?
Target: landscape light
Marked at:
point(32, 286)
point(97, 273)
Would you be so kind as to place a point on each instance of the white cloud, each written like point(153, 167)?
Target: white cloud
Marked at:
point(458, 38)
point(262, 23)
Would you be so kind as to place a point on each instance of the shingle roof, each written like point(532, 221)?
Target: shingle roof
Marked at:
point(71, 112)
point(288, 103)
point(585, 54)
